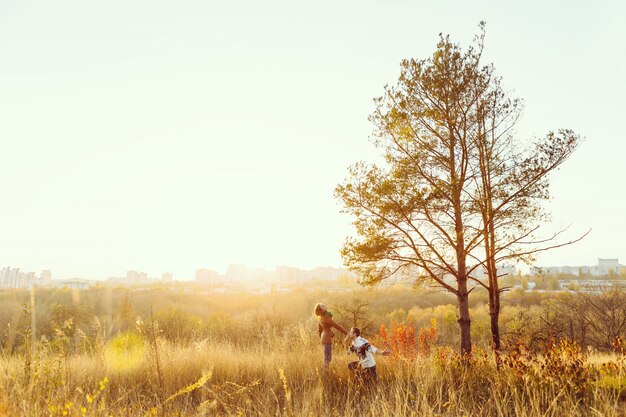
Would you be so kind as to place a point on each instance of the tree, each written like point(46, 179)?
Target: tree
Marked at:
point(596, 318)
point(457, 185)
point(507, 182)
point(356, 313)
point(510, 192)
point(511, 180)
point(412, 214)
point(523, 284)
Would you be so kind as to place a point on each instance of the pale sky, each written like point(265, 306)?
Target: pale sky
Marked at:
point(175, 135)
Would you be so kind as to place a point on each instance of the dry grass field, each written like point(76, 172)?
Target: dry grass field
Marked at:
point(137, 376)
point(173, 352)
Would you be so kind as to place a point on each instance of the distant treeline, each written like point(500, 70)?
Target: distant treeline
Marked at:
point(85, 319)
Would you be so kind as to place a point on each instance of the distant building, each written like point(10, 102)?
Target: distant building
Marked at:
point(13, 278)
point(135, 277)
point(530, 285)
point(571, 270)
point(26, 280)
point(507, 270)
point(553, 270)
point(587, 285)
point(502, 270)
point(45, 276)
point(238, 273)
point(206, 276)
point(605, 267)
point(167, 277)
point(288, 274)
point(9, 277)
point(75, 283)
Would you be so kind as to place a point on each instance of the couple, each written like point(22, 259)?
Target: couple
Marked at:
point(366, 365)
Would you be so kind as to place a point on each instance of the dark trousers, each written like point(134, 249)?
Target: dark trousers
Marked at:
point(365, 374)
point(328, 353)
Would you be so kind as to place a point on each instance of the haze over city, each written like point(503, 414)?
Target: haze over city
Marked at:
point(170, 137)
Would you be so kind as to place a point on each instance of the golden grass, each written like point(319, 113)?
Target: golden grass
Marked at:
point(205, 379)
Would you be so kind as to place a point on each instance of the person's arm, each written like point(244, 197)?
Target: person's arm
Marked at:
point(339, 327)
point(320, 329)
point(346, 342)
point(385, 352)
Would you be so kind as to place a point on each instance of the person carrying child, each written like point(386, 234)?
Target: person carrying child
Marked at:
point(325, 330)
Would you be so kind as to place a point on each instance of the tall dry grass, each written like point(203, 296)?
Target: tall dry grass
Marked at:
point(285, 379)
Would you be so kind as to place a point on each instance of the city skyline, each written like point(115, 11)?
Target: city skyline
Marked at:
point(245, 272)
point(214, 134)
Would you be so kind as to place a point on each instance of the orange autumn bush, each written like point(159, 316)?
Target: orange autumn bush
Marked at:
point(401, 339)
point(427, 337)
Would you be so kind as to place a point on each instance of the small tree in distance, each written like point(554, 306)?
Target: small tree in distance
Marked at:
point(355, 312)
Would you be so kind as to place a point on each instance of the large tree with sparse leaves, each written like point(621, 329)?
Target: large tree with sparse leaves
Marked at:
point(510, 185)
point(455, 194)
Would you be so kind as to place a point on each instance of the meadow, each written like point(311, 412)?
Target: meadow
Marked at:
point(172, 352)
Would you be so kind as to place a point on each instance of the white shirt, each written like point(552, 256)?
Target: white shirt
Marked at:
point(367, 359)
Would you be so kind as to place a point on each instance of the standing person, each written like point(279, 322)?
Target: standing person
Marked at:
point(325, 330)
point(365, 367)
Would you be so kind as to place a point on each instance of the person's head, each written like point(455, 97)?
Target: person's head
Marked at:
point(320, 309)
point(354, 333)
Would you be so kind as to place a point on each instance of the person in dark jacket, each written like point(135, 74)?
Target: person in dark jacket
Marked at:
point(325, 330)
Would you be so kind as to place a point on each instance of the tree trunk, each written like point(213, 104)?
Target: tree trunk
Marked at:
point(494, 313)
point(464, 319)
point(583, 335)
point(494, 307)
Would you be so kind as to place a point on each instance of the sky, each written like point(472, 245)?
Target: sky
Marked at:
point(167, 136)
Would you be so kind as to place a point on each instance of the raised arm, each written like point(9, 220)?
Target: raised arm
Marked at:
point(385, 352)
point(339, 327)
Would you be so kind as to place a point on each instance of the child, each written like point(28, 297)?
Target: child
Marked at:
point(366, 365)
